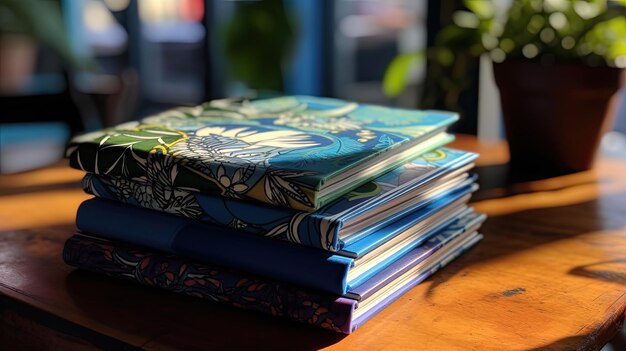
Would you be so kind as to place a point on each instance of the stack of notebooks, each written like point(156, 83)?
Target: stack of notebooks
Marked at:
point(314, 209)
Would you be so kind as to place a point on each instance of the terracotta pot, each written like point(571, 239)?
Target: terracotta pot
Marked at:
point(555, 115)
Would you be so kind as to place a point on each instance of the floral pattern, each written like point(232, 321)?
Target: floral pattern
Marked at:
point(213, 283)
point(156, 190)
point(279, 151)
point(318, 229)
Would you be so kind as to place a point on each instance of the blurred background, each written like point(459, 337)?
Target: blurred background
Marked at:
point(68, 66)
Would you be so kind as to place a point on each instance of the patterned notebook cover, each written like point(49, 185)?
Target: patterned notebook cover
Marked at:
point(280, 260)
point(320, 229)
point(234, 288)
point(280, 151)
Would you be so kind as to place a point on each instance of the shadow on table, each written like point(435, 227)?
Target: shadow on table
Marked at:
point(569, 343)
point(499, 180)
point(586, 342)
point(530, 228)
point(170, 320)
point(610, 271)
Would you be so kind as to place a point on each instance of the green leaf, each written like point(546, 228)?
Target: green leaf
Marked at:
point(481, 8)
point(129, 149)
point(144, 138)
point(465, 19)
point(395, 79)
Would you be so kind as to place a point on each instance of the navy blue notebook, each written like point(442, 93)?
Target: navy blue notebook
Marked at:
point(283, 261)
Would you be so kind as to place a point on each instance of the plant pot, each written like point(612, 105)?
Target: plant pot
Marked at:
point(555, 115)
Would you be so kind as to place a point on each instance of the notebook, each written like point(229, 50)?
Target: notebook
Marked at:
point(342, 221)
point(231, 287)
point(297, 152)
point(333, 272)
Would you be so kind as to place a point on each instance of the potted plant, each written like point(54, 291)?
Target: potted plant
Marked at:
point(557, 63)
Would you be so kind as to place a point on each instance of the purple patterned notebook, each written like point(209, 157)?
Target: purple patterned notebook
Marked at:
point(181, 275)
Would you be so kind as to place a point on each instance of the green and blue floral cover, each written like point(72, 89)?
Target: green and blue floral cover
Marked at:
point(279, 151)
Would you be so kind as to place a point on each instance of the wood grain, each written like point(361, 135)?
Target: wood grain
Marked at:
point(550, 275)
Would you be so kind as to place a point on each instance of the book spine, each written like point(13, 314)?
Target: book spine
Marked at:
point(315, 230)
point(209, 282)
point(283, 261)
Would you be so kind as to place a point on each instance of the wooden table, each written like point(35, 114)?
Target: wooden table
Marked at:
point(550, 275)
